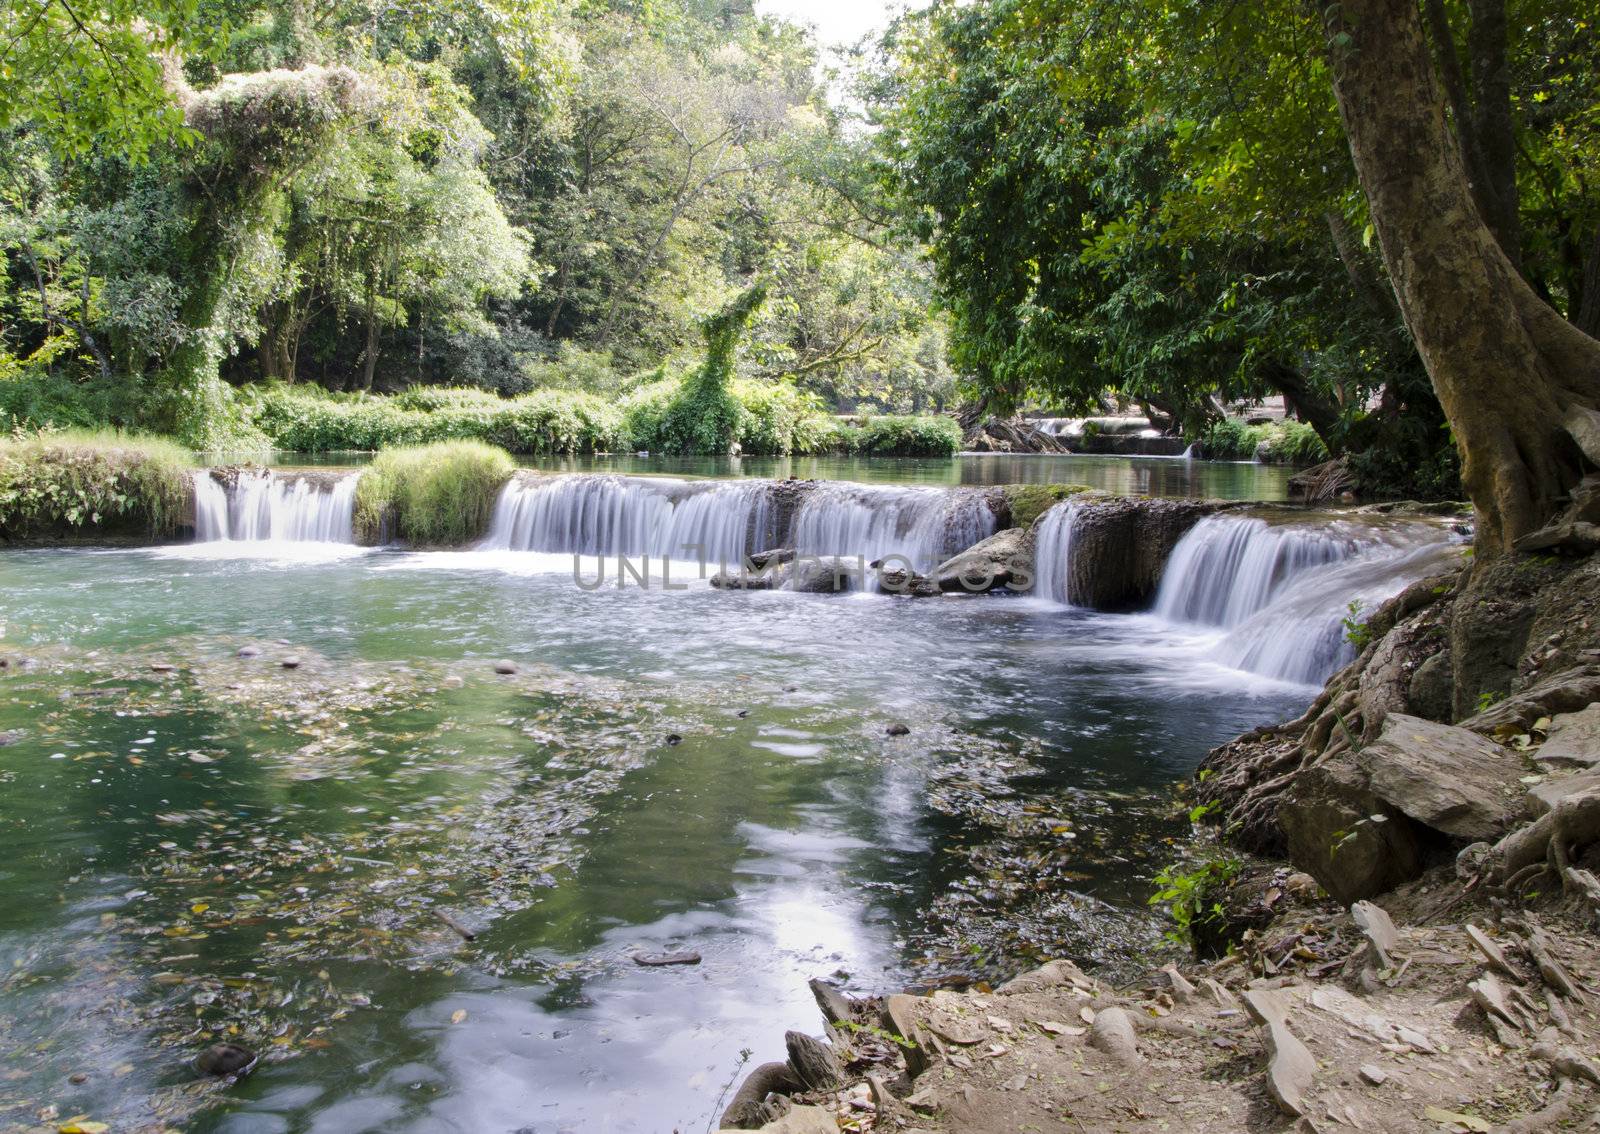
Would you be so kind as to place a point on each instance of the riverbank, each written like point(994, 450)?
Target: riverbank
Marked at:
point(1471, 1018)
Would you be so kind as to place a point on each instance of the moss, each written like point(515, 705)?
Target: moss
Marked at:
point(1030, 501)
point(440, 494)
point(78, 481)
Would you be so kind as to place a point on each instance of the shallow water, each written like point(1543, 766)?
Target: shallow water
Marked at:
point(233, 845)
point(1147, 476)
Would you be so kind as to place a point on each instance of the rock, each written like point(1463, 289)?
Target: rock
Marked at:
point(660, 960)
point(900, 1018)
point(813, 576)
point(248, 652)
point(773, 557)
point(1444, 777)
point(10, 737)
point(225, 1059)
point(804, 1120)
point(506, 668)
point(836, 1007)
point(290, 662)
point(1121, 545)
point(1051, 974)
point(814, 1062)
point(1112, 1032)
point(954, 1029)
point(1374, 1074)
point(1431, 694)
point(1574, 738)
point(78, 1078)
point(1378, 928)
point(1182, 991)
point(1005, 559)
point(746, 581)
point(1301, 886)
point(898, 729)
point(1346, 838)
point(162, 667)
point(673, 740)
point(1543, 797)
point(1491, 952)
point(1290, 1066)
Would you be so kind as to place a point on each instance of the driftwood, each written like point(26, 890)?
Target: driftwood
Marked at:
point(750, 1108)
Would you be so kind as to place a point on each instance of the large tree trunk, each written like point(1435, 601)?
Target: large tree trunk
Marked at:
point(1505, 365)
point(1304, 402)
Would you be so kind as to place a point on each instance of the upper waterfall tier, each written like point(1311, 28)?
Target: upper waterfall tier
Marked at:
point(264, 506)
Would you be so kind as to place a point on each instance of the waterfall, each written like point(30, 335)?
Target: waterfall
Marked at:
point(1283, 592)
point(924, 525)
point(1229, 567)
point(262, 507)
point(1052, 557)
point(632, 516)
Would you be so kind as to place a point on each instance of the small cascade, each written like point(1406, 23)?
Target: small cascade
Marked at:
point(924, 525)
point(1052, 557)
point(1283, 592)
point(264, 507)
point(632, 516)
point(1229, 567)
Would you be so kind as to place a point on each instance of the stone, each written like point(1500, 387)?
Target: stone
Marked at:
point(1290, 1066)
point(673, 740)
point(248, 652)
point(815, 1064)
point(1374, 1074)
point(1120, 546)
point(1112, 1032)
point(1444, 777)
point(1546, 794)
point(1574, 738)
point(660, 960)
point(290, 662)
point(10, 737)
point(162, 667)
point(804, 1120)
point(505, 668)
point(898, 729)
point(1005, 559)
point(1378, 928)
point(813, 576)
point(1491, 952)
point(1431, 693)
point(835, 1005)
point(1346, 838)
point(901, 1018)
point(225, 1059)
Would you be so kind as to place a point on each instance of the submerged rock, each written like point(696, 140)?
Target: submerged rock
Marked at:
point(506, 668)
point(225, 1059)
point(661, 960)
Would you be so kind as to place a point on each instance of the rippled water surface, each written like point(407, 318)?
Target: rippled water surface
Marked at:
point(229, 848)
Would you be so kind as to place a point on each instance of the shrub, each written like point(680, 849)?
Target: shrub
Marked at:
point(66, 482)
point(442, 493)
point(1281, 443)
point(1030, 501)
point(910, 437)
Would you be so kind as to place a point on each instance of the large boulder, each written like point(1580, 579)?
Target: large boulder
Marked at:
point(1363, 820)
point(1120, 546)
point(999, 561)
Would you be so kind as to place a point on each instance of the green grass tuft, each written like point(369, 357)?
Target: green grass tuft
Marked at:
point(440, 494)
point(76, 481)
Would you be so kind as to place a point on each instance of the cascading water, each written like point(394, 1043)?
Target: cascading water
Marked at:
point(1052, 557)
point(609, 515)
point(923, 525)
point(264, 507)
point(1283, 592)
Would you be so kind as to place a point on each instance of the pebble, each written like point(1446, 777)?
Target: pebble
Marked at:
point(659, 960)
point(162, 667)
point(1374, 1074)
point(898, 729)
point(290, 662)
point(248, 652)
point(77, 1077)
point(505, 668)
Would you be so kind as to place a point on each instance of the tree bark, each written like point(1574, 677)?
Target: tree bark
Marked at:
point(1504, 364)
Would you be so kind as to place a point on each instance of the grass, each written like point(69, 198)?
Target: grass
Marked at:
point(75, 481)
point(440, 494)
point(1030, 501)
point(1286, 442)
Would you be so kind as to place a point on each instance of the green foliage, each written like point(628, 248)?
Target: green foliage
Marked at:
point(1356, 630)
point(1030, 501)
point(702, 415)
point(309, 420)
point(1286, 442)
point(60, 483)
point(435, 495)
point(1189, 891)
point(910, 437)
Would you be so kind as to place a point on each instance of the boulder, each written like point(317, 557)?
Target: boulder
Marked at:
point(812, 576)
point(1444, 777)
point(1005, 559)
point(1346, 838)
point(1120, 546)
point(1573, 739)
point(804, 1120)
point(1546, 795)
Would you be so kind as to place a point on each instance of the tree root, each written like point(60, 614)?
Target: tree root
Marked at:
point(1556, 1110)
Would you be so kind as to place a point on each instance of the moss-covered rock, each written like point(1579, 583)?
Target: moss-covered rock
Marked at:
point(1027, 502)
